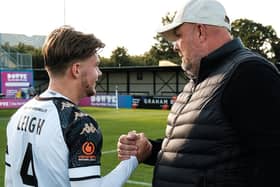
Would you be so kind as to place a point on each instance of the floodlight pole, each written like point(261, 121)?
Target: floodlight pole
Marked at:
point(117, 98)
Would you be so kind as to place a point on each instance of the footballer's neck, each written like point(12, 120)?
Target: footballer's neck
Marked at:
point(66, 87)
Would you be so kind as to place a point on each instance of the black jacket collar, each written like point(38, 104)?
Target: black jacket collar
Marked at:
point(213, 60)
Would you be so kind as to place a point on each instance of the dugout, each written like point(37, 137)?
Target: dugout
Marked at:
point(142, 80)
point(149, 81)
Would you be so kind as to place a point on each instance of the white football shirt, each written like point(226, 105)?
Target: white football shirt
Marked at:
point(51, 143)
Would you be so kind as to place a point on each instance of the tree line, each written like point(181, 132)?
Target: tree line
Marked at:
point(255, 36)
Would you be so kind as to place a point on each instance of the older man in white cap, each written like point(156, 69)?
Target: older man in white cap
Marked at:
point(223, 130)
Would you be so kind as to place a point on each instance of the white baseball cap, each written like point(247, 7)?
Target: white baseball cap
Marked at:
point(209, 12)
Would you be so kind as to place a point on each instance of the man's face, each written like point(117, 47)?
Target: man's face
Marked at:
point(90, 74)
point(188, 47)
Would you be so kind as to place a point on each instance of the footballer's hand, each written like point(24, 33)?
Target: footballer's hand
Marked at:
point(127, 145)
point(144, 147)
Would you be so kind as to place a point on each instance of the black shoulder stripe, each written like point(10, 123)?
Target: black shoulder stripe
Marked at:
point(7, 164)
point(85, 178)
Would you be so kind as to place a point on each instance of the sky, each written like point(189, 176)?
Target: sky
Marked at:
point(118, 23)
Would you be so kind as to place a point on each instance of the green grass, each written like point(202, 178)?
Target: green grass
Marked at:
point(113, 123)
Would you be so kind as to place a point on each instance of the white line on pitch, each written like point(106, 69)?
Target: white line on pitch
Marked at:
point(139, 183)
point(111, 151)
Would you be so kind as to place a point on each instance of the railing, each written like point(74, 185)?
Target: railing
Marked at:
point(6, 60)
point(23, 60)
point(15, 60)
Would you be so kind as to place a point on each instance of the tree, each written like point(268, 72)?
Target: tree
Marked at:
point(162, 49)
point(151, 57)
point(255, 36)
point(259, 38)
point(276, 46)
point(120, 57)
point(137, 60)
point(106, 62)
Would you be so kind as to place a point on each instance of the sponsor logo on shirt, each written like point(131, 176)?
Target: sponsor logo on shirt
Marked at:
point(88, 149)
point(89, 128)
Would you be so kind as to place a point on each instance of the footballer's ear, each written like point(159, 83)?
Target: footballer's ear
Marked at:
point(75, 69)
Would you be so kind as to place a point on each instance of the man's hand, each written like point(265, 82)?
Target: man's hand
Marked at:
point(127, 145)
point(134, 144)
point(144, 147)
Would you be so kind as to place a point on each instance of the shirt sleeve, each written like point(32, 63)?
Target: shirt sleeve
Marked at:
point(116, 178)
point(84, 140)
point(156, 146)
point(8, 175)
point(251, 102)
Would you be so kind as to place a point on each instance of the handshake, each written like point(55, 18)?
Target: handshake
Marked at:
point(134, 144)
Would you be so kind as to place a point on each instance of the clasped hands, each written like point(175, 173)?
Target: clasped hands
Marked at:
point(135, 144)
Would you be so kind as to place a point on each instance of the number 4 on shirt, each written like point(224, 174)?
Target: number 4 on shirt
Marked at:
point(28, 159)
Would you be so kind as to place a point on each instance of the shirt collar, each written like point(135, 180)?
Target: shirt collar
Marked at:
point(52, 93)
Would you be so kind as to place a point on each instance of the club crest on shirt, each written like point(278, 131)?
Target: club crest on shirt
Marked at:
point(89, 128)
point(88, 149)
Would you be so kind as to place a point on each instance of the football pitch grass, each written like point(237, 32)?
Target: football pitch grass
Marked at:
point(113, 123)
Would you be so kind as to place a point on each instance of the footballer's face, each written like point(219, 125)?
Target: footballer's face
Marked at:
point(90, 75)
